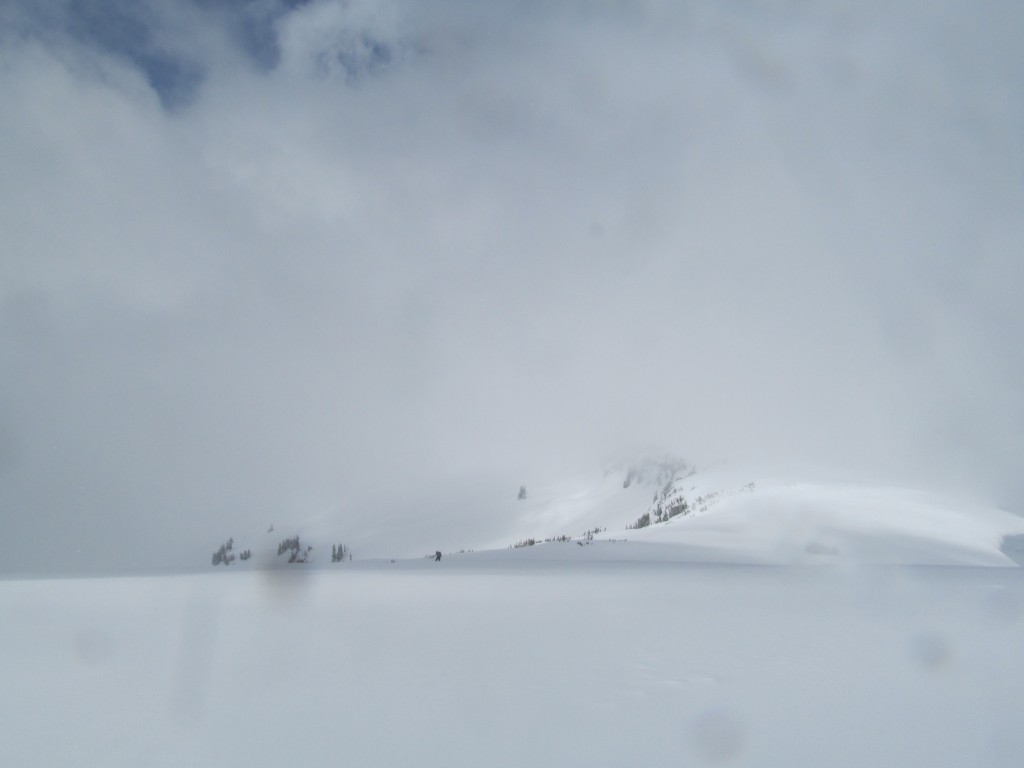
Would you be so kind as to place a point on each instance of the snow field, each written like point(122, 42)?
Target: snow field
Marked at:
point(517, 662)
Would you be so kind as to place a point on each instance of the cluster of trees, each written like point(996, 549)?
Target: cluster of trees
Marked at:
point(296, 552)
point(587, 536)
point(703, 502)
point(227, 554)
point(664, 511)
point(668, 503)
point(224, 554)
point(284, 546)
point(642, 522)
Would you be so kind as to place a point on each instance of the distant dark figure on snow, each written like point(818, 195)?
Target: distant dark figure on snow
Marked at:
point(437, 556)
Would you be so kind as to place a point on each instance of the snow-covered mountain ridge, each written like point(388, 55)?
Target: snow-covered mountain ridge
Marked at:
point(725, 515)
point(664, 509)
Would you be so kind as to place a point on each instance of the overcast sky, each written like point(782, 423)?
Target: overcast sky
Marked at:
point(375, 260)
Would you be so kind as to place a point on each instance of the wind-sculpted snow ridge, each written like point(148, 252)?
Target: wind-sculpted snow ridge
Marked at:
point(722, 516)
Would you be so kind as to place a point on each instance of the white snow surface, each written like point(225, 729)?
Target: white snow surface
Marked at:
point(701, 641)
point(831, 523)
point(757, 518)
point(734, 515)
point(517, 661)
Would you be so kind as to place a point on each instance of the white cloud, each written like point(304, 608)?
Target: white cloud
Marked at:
point(521, 240)
point(339, 39)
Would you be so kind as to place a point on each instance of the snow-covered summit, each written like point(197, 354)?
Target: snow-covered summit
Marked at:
point(726, 515)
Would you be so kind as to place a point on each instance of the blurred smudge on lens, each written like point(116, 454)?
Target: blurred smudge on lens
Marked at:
point(718, 736)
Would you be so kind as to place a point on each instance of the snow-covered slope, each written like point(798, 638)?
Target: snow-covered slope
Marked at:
point(726, 515)
point(665, 509)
